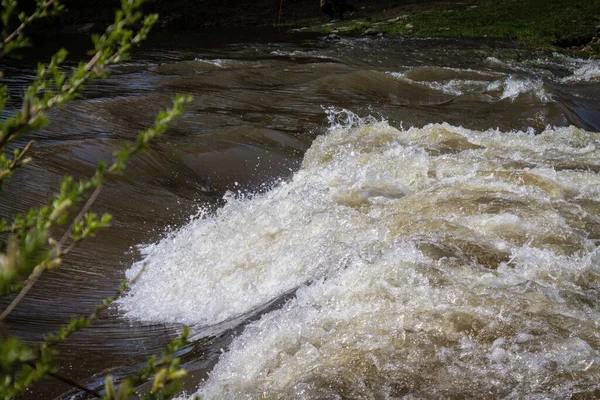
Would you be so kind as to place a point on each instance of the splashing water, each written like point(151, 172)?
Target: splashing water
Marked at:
point(430, 262)
point(512, 87)
point(508, 87)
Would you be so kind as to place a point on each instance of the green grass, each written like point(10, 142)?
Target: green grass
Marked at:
point(555, 22)
point(541, 24)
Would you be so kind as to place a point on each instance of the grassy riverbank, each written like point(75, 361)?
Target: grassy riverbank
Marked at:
point(540, 24)
point(565, 25)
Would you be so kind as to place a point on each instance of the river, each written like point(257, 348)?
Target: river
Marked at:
point(351, 218)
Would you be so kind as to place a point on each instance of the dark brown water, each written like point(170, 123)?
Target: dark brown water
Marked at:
point(260, 100)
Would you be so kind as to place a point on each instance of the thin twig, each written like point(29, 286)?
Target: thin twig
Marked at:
point(31, 281)
point(69, 381)
point(92, 61)
point(32, 111)
point(59, 377)
point(24, 24)
point(22, 154)
point(79, 217)
point(37, 272)
point(136, 277)
point(94, 314)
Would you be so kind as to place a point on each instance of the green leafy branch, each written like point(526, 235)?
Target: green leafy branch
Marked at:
point(15, 39)
point(23, 365)
point(167, 372)
point(28, 248)
point(31, 250)
point(19, 160)
point(53, 87)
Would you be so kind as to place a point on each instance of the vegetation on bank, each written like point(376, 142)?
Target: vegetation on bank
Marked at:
point(540, 24)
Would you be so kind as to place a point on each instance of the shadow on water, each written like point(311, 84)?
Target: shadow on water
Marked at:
point(259, 100)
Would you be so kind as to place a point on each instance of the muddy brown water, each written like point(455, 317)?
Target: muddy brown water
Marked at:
point(260, 99)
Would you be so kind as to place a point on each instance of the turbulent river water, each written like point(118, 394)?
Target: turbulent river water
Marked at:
point(359, 218)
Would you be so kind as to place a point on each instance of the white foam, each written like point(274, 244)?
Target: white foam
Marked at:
point(299, 54)
point(457, 82)
point(581, 70)
point(217, 62)
point(507, 87)
point(432, 261)
point(559, 67)
point(586, 73)
point(513, 86)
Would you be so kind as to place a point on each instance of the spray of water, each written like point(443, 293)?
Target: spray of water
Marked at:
point(428, 262)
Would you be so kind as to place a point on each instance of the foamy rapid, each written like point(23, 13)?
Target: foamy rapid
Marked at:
point(574, 70)
point(582, 70)
point(585, 73)
point(427, 263)
point(452, 86)
point(513, 86)
point(459, 82)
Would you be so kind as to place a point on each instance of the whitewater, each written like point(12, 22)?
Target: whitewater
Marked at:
point(424, 263)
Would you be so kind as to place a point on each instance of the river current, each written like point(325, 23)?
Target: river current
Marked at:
point(368, 218)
